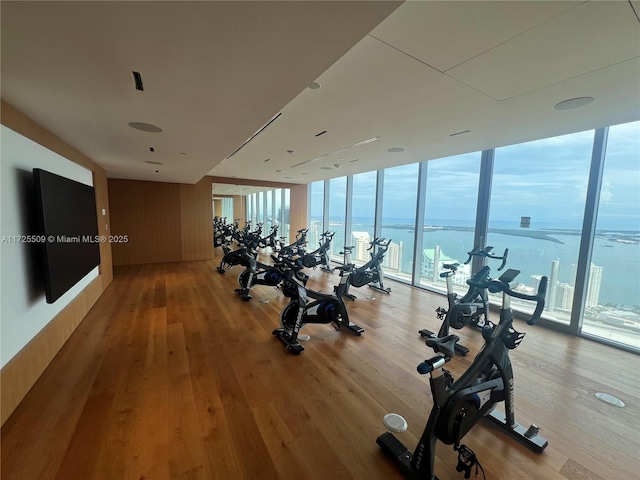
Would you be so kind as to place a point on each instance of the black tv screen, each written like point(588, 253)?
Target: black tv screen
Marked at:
point(68, 227)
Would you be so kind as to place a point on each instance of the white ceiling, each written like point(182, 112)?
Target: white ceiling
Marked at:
point(215, 72)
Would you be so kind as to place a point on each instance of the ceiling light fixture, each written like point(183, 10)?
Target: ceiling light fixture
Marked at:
point(573, 103)
point(145, 127)
point(340, 150)
point(314, 85)
point(395, 149)
point(354, 160)
point(459, 133)
point(267, 160)
point(151, 162)
point(325, 168)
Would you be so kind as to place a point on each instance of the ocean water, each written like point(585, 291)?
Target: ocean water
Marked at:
point(620, 262)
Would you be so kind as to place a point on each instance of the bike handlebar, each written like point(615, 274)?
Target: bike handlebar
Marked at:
point(486, 253)
point(495, 286)
point(380, 241)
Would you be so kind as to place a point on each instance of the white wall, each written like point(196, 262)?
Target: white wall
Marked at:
point(23, 307)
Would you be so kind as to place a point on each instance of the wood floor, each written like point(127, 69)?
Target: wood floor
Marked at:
point(172, 376)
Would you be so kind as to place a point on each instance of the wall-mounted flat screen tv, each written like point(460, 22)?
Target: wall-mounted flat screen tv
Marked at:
point(68, 224)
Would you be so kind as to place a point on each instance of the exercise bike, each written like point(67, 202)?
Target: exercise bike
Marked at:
point(458, 405)
point(342, 289)
point(473, 307)
point(296, 247)
point(321, 255)
point(323, 308)
point(371, 272)
point(258, 273)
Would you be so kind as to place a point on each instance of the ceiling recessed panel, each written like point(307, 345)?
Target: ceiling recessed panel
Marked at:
point(445, 34)
point(590, 37)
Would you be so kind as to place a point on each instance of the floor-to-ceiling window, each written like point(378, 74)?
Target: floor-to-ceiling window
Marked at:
point(612, 308)
point(277, 208)
point(449, 217)
point(286, 208)
point(538, 199)
point(398, 219)
point(268, 218)
point(316, 213)
point(337, 212)
point(537, 207)
point(363, 216)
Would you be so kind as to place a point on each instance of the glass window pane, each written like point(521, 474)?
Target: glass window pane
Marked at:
point(612, 308)
point(277, 207)
point(268, 221)
point(400, 194)
point(337, 212)
point(449, 218)
point(285, 216)
point(316, 210)
point(537, 207)
point(363, 216)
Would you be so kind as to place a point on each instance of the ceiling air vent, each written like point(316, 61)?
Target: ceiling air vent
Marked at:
point(137, 78)
point(253, 136)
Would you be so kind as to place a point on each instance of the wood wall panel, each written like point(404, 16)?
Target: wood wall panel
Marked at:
point(165, 222)
point(197, 220)
point(298, 212)
point(162, 222)
point(23, 370)
point(239, 210)
point(102, 203)
point(126, 198)
point(18, 376)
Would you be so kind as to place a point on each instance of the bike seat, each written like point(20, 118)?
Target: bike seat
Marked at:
point(451, 266)
point(445, 345)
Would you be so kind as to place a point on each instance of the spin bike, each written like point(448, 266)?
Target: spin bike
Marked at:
point(321, 255)
point(458, 405)
point(323, 308)
point(473, 307)
point(257, 273)
point(342, 289)
point(297, 246)
point(371, 272)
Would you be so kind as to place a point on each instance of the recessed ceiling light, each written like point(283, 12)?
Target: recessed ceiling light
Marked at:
point(267, 159)
point(290, 152)
point(325, 168)
point(395, 149)
point(157, 171)
point(288, 177)
point(354, 161)
point(279, 171)
point(573, 103)
point(314, 85)
point(145, 127)
point(150, 162)
point(182, 153)
point(337, 165)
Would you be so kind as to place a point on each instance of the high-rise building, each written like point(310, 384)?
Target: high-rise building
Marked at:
point(393, 257)
point(361, 243)
point(593, 284)
point(564, 296)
